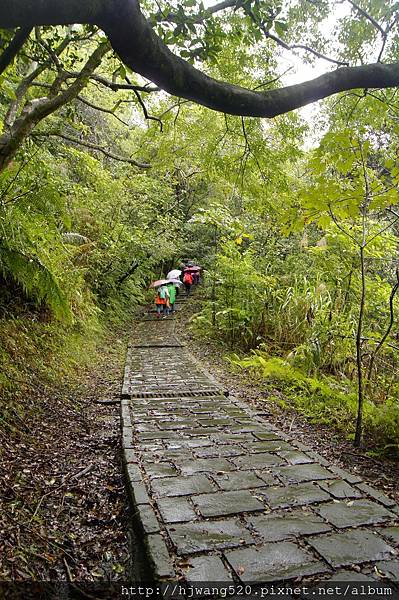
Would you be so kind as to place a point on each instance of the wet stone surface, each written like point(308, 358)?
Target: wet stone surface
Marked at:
point(294, 495)
point(221, 494)
point(209, 535)
point(273, 562)
point(339, 489)
point(238, 481)
point(354, 512)
point(278, 526)
point(227, 503)
point(182, 486)
point(351, 547)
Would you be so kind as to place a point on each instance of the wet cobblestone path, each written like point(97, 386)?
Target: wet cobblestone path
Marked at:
point(221, 495)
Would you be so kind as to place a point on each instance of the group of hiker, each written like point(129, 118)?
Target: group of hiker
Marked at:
point(168, 289)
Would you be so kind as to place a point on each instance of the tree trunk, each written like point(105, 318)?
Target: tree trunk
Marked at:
point(360, 394)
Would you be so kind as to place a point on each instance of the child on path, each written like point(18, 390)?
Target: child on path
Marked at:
point(162, 300)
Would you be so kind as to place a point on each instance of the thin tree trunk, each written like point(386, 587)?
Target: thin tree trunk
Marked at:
point(359, 421)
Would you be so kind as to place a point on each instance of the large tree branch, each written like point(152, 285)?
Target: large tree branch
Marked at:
point(22, 88)
point(144, 52)
point(14, 47)
point(39, 108)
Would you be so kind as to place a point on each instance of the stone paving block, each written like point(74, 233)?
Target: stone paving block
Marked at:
point(354, 513)
point(254, 428)
point(234, 412)
point(232, 438)
point(391, 533)
point(269, 478)
point(163, 565)
point(148, 519)
point(162, 469)
point(140, 493)
point(293, 495)
point(294, 457)
point(177, 424)
point(182, 486)
point(277, 526)
point(227, 503)
point(202, 431)
point(300, 473)
point(127, 437)
point(279, 561)
point(345, 474)
point(304, 448)
point(267, 436)
point(190, 538)
point(213, 421)
point(209, 465)
point(173, 455)
point(176, 510)
point(350, 547)
point(269, 446)
point(189, 443)
point(219, 451)
point(390, 569)
point(379, 496)
point(207, 568)
point(152, 447)
point(238, 481)
point(339, 489)
point(257, 461)
point(145, 427)
point(156, 435)
point(130, 455)
point(133, 472)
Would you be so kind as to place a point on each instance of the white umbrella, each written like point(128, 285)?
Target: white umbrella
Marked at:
point(174, 274)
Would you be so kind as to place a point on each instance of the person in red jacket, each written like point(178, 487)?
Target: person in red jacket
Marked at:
point(188, 282)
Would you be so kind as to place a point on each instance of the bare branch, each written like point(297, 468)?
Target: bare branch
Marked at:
point(367, 16)
point(114, 86)
point(102, 109)
point(144, 108)
point(93, 146)
point(14, 47)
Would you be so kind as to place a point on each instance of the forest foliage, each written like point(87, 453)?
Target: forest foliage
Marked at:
point(105, 184)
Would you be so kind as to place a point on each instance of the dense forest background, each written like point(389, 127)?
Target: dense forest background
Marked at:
point(107, 183)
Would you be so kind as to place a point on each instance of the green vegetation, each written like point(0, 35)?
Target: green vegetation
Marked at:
point(105, 183)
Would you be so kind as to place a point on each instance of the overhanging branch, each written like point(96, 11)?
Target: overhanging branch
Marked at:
point(144, 52)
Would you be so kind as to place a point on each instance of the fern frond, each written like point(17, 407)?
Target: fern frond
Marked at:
point(36, 280)
point(75, 239)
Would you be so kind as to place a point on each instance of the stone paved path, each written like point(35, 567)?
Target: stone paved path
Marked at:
point(221, 495)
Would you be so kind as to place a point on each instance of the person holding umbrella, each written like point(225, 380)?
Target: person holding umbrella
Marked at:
point(172, 289)
point(162, 301)
point(162, 296)
point(188, 281)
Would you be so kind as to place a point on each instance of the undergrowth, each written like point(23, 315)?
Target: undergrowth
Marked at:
point(39, 354)
point(324, 401)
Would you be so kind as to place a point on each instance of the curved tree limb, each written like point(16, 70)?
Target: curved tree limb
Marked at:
point(144, 52)
point(97, 147)
point(14, 47)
